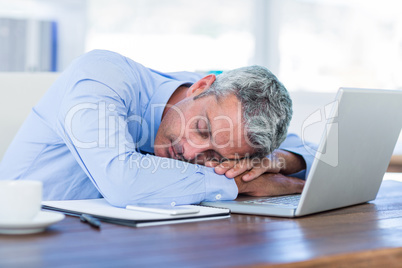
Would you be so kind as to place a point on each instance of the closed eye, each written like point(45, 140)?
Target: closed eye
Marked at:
point(203, 129)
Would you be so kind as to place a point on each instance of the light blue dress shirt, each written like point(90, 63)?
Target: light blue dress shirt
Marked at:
point(92, 135)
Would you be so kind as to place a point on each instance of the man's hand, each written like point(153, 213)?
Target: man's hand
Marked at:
point(270, 184)
point(279, 161)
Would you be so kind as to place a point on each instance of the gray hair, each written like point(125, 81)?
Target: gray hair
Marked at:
point(266, 105)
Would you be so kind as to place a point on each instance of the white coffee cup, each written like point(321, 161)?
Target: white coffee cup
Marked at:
point(20, 200)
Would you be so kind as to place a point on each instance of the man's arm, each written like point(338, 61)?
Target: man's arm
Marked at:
point(291, 158)
point(288, 162)
point(269, 184)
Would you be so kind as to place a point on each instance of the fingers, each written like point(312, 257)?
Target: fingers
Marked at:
point(239, 168)
point(233, 168)
point(211, 163)
point(257, 170)
point(223, 167)
point(255, 166)
point(253, 173)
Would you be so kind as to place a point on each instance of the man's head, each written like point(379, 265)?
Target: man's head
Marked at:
point(241, 113)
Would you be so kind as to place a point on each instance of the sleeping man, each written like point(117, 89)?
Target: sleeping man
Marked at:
point(110, 127)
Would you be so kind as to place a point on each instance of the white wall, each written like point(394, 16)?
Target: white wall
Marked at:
point(19, 93)
point(306, 104)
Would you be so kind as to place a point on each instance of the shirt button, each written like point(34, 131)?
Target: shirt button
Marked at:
point(218, 196)
point(173, 204)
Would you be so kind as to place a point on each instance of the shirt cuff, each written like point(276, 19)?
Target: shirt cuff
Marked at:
point(218, 187)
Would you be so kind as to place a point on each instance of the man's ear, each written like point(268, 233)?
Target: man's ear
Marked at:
point(201, 85)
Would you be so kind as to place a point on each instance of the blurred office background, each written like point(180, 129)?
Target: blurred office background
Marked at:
point(312, 45)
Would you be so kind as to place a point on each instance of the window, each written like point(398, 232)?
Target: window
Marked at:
point(327, 44)
point(311, 45)
point(175, 35)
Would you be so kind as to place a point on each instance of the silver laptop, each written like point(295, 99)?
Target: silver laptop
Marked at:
point(351, 160)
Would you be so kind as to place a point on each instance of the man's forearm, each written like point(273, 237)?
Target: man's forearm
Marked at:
point(289, 162)
point(269, 184)
point(294, 144)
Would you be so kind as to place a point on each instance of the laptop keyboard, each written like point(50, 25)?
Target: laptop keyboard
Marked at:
point(292, 200)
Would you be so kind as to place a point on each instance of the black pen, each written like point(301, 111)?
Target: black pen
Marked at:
point(90, 220)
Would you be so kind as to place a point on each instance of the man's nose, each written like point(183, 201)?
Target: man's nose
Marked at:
point(191, 151)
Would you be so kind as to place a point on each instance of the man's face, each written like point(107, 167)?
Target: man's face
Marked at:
point(203, 129)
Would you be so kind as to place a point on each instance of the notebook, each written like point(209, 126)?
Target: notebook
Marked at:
point(102, 210)
point(362, 129)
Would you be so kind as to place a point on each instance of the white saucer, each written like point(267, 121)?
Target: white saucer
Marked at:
point(36, 225)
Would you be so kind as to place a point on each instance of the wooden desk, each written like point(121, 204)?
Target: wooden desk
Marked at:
point(239, 241)
point(395, 165)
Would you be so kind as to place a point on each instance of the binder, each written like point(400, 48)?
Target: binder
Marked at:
point(103, 211)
